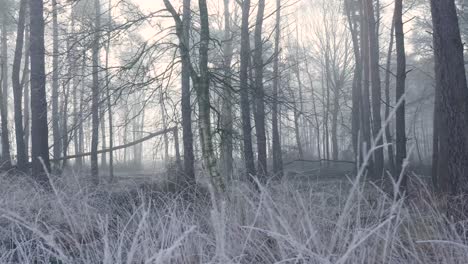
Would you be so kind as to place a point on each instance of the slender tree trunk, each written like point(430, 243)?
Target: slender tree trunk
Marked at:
point(187, 134)
point(277, 153)
point(18, 90)
point(260, 94)
point(227, 115)
point(103, 134)
point(400, 92)
point(203, 91)
point(109, 101)
point(366, 109)
point(244, 90)
point(40, 142)
point(357, 83)
point(314, 107)
point(95, 95)
point(26, 91)
point(336, 111)
point(57, 149)
point(451, 97)
point(376, 89)
point(388, 133)
point(6, 157)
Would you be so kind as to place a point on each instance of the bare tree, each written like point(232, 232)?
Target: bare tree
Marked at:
point(376, 87)
point(57, 138)
point(277, 155)
point(400, 91)
point(450, 125)
point(39, 128)
point(18, 89)
point(227, 108)
point(187, 134)
point(260, 93)
point(244, 90)
point(6, 157)
point(95, 94)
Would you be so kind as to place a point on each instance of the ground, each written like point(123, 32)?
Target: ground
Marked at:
point(315, 214)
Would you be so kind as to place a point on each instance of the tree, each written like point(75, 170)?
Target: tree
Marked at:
point(5, 162)
point(451, 110)
point(277, 155)
point(39, 135)
point(400, 91)
point(376, 88)
point(227, 116)
point(260, 93)
point(244, 90)
point(109, 99)
point(95, 95)
point(187, 134)
point(365, 104)
point(388, 133)
point(18, 90)
point(57, 148)
point(353, 23)
point(201, 83)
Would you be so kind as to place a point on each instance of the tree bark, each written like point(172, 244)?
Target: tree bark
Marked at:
point(451, 106)
point(227, 115)
point(203, 92)
point(244, 90)
point(376, 89)
point(366, 109)
point(260, 94)
point(95, 95)
point(357, 82)
point(18, 90)
point(187, 134)
point(5, 162)
point(39, 128)
point(57, 138)
point(109, 100)
point(388, 134)
point(25, 81)
point(400, 92)
point(277, 154)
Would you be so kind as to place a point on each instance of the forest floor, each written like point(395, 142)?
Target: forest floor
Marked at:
point(315, 214)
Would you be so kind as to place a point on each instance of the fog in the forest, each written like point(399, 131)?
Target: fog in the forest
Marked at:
point(233, 131)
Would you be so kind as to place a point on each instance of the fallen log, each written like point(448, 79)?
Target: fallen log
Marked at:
point(136, 142)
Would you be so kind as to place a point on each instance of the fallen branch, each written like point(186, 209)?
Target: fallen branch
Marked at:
point(320, 160)
point(150, 136)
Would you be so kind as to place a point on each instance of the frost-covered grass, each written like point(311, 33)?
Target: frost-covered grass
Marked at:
point(292, 221)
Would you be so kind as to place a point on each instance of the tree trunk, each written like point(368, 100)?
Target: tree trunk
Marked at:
point(109, 101)
point(95, 96)
point(451, 97)
point(366, 109)
point(5, 162)
point(57, 149)
point(18, 90)
point(376, 89)
point(260, 94)
point(26, 91)
point(187, 134)
point(314, 107)
point(244, 90)
point(400, 92)
point(388, 133)
point(277, 155)
point(39, 128)
point(227, 115)
point(357, 83)
point(203, 92)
